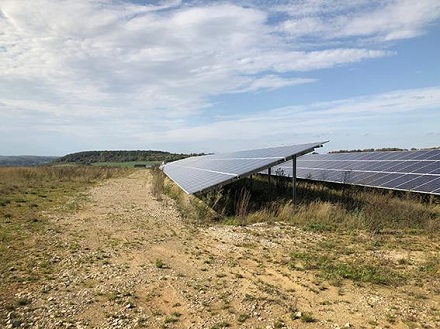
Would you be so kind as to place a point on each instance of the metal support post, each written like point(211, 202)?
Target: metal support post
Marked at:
point(294, 180)
point(269, 171)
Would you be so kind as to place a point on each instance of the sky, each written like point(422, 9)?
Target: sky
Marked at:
point(217, 76)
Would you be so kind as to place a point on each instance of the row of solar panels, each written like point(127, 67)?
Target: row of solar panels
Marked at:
point(416, 171)
point(204, 173)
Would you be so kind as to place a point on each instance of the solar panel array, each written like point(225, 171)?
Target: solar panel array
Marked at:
point(203, 173)
point(416, 171)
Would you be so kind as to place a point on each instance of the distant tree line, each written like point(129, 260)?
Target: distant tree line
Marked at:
point(89, 157)
point(25, 160)
point(385, 149)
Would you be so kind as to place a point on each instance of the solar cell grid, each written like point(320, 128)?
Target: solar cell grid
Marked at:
point(382, 155)
point(200, 174)
point(422, 167)
point(430, 187)
point(435, 171)
point(340, 157)
point(421, 155)
point(368, 156)
point(403, 178)
point(400, 166)
point(359, 165)
point(385, 179)
point(435, 155)
point(370, 179)
point(414, 166)
point(394, 155)
point(357, 177)
point(383, 166)
point(325, 165)
point(401, 170)
point(414, 182)
point(410, 155)
point(342, 164)
point(332, 176)
point(372, 165)
point(376, 178)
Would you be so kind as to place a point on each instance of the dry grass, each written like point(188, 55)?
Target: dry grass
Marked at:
point(242, 200)
point(321, 208)
point(157, 186)
point(372, 212)
point(186, 204)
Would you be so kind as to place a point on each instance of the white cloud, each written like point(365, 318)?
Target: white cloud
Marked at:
point(271, 82)
point(301, 123)
point(372, 20)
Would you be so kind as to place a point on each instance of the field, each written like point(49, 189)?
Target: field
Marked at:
point(98, 247)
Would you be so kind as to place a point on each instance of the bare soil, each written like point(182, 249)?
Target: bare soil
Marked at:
point(127, 260)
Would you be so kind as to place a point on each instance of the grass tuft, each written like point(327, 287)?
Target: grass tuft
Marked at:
point(159, 263)
point(307, 318)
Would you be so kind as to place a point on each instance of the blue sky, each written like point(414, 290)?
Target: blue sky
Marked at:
point(217, 76)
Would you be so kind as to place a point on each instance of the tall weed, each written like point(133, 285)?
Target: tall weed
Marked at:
point(158, 181)
point(242, 199)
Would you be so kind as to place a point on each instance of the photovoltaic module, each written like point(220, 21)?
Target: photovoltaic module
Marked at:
point(415, 171)
point(203, 173)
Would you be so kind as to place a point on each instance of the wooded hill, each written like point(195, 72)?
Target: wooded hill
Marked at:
point(89, 157)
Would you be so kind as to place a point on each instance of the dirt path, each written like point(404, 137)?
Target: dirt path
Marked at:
point(126, 260)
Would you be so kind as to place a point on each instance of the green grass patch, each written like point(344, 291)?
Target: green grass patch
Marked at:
point(332, 268)
point(373, 273)
point(159, 263)
point(307, 318)
point(171, 319)
point(243, 317)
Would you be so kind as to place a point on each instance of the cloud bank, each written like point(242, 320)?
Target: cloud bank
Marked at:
point(67, 65)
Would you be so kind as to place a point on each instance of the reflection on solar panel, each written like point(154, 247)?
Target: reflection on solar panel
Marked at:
point(416, 171)
point(203, 173)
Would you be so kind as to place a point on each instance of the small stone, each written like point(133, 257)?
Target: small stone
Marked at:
point(129, 306)
point(347, 325)
point(297, 315)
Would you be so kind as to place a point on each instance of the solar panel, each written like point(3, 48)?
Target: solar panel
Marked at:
point(203, 173)
point(416, 171)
